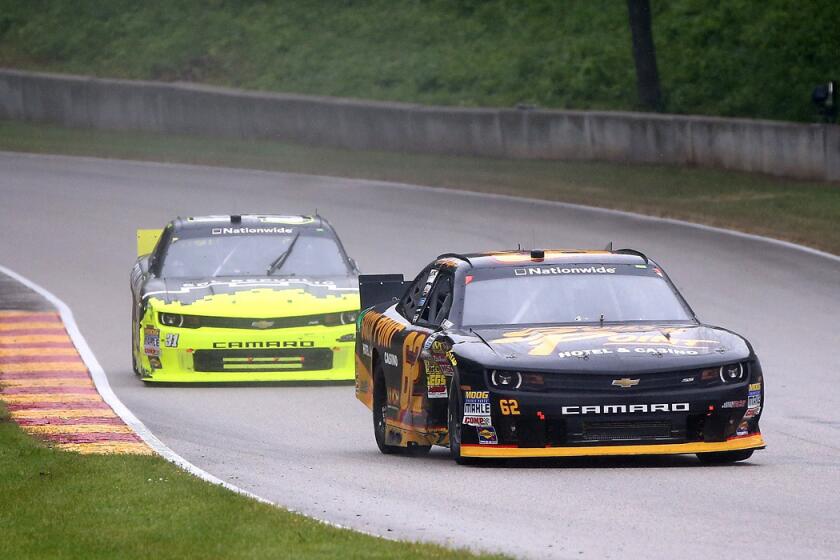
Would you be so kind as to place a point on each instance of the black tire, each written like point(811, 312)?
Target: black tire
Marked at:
point(724, 457)
point(455, 417)
point(135, 334)
point(380, 409)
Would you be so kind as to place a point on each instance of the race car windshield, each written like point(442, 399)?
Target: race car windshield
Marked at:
point(254, 255)
point(570, 294)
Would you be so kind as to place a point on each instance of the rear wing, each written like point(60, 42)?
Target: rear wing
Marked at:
point(379, 288)
point(146, 240)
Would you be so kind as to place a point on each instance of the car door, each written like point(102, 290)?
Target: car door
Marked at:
point(400, 360)
point(427, 305)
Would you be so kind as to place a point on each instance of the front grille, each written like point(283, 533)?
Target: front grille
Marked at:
point(626, 431)
point(557, 382)
point(249, 323)
point(279, 359)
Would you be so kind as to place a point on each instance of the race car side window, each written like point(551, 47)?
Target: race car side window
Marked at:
point(411, 300)
point(438, 302)
point(156, 264)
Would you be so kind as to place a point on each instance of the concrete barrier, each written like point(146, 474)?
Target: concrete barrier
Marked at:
point(803, 151)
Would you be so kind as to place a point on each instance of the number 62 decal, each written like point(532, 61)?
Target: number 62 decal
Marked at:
point(510, 407)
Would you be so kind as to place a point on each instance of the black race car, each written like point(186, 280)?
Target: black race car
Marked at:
point(551, 354)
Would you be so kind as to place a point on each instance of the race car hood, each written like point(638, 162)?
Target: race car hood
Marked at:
point(253, 297)
point(612, 348)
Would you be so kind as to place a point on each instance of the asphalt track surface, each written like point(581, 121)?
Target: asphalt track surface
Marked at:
point(69, 223)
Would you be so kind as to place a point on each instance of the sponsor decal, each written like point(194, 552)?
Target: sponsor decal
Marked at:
point(477, 408)
point(393, 396)
point(265, 344)
point(625, 350)
point(687, 380)
point(477, 421)
point(734, 404)
point(544, 340)
point(555, 270)
point(753, 400)
point(154, 361)
point(625, 382)
point(427, 346)
point(624, 408)
point(487, 436)
point(250, 230)
point(451, 357)
point(171, 340)
point(752, 412)
point(366, 349)
point(151, 341)
point(380, 329)
point(435, 381)
point(391, 359)
point(743, 429)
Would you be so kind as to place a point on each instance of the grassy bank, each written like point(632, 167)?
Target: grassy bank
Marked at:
point(732, 58)
point(802, 212)
point(63, 505)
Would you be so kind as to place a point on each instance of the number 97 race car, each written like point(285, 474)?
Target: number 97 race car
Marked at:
point(551, 354)
point(243, 298)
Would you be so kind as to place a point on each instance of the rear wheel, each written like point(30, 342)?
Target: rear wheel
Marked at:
point(380, 410)
point(725, 457)
point(455, 418)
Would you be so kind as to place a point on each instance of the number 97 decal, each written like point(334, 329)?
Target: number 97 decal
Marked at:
point(510, 407)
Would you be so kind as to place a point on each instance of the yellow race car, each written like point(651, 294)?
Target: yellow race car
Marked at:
point(243, 298)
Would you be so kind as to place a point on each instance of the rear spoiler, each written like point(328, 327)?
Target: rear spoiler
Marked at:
point(146, 240)
point(379, 288)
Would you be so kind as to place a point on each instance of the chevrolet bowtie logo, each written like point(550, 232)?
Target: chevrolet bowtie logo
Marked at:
point(625, 382)
point(262, 324)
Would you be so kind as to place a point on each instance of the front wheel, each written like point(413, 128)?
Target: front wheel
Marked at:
point(135, 335)
point(724, 457)
point(455, 417)
point(380, 410)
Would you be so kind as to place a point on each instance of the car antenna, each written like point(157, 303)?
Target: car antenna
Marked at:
point(609, 247)
point(602, 319)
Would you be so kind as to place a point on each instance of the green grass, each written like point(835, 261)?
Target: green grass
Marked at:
point(719, 57)
point(56, 504)
point(798, 211)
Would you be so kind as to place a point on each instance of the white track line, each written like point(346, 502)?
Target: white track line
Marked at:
point(104, 388)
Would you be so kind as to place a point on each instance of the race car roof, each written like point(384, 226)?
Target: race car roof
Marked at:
point(250, 220)
point(496, 259)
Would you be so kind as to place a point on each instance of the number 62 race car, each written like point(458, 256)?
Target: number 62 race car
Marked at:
point(243, 298)
point(551, 354)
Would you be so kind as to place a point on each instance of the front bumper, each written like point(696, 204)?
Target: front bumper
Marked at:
point(532, 424)
point(737, 443)
point(221, 355)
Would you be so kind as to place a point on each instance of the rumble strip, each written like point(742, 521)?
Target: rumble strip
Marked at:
point(49, 392)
